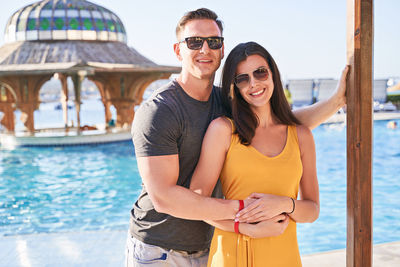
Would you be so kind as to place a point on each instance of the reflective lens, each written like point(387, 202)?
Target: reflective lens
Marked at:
point(243, 80)
point(196, 43)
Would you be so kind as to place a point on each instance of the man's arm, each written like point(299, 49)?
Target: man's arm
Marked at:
point(272, 227)
point(314, 115)
point(160, 174)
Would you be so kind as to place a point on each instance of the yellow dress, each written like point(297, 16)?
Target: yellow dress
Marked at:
point(245, 171)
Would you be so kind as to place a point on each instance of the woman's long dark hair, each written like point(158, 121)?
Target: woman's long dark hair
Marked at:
point(245, 120)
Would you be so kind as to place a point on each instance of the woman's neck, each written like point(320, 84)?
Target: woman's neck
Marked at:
point(265, 116)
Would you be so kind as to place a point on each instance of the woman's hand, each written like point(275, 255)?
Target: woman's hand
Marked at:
point(263, 207)
point(271, 227)
point(340, 92)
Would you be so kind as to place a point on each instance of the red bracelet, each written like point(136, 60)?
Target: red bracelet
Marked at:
point(241, 206)
point(237, 227)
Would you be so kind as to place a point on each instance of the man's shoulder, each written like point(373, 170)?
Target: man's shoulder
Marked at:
point(163, 97)
point(166, 91)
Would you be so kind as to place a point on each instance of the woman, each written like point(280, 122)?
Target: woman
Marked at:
point(261, 148)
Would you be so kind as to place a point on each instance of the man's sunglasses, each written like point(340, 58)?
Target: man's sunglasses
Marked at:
point(196, 43)
point(243, 80)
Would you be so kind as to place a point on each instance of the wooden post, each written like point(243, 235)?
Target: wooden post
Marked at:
point(359, 133)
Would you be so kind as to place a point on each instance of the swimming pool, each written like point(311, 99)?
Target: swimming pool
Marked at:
point(63, 189)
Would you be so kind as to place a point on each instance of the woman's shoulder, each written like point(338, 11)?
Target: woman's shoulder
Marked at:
point(304, 136)
point(222, 125)
point(303, 130)
point(219, 134)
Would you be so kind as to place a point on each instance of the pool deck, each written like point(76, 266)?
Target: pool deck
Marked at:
point(378, 116)
point(106, 248)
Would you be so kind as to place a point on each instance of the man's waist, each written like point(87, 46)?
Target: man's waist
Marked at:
point(172, 238)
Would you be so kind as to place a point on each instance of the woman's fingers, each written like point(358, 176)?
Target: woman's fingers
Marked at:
point(256, 217)
point(248, 207)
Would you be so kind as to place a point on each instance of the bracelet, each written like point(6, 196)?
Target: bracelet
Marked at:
point(237, 227)
point(294, 206)
point(241, 206)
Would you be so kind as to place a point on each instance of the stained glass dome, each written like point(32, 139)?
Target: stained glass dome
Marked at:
point(64, 20)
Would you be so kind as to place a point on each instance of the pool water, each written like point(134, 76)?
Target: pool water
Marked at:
point(82, 188)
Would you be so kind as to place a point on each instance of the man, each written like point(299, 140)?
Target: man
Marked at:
point(165, 226)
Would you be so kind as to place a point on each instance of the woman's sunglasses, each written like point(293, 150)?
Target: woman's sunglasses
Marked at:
point(243, 80)
point(196, 43)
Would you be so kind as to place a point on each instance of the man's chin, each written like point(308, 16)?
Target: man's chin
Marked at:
point(206, 76)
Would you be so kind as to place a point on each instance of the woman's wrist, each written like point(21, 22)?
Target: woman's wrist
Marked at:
point(293, 206)
point(288, 205)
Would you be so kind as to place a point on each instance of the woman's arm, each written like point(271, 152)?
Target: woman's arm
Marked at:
point(307, 208)
point(160, 175)
point(215, 145)
point(314, 115)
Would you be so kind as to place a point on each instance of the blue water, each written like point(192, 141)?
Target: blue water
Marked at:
point(86, 188)
point(329, 231)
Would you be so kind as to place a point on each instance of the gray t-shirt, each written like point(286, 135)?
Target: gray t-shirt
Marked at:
point(171, 122)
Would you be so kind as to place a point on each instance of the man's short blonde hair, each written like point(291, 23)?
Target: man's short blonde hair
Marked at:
point(201, 13)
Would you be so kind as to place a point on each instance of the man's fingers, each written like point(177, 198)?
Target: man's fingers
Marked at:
point(286, 222)
point(280, 218)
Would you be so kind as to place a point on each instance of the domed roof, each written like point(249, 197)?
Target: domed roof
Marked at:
point(64, 20)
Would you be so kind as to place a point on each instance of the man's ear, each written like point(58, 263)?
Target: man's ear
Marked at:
point(177, 51)
point(223, 51)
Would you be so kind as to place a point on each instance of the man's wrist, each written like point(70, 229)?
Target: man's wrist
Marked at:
point(233, 208)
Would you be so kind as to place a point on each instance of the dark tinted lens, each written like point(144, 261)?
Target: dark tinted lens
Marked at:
point(261, 74)
point(241, 80)
point(194, 43)
point(214, 42)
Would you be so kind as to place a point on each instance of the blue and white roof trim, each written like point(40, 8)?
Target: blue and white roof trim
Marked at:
point(64, 20)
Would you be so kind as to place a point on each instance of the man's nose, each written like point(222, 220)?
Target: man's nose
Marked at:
point(205, 48)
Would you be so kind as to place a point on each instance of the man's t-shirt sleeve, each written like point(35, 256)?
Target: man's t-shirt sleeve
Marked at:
point(155, 130)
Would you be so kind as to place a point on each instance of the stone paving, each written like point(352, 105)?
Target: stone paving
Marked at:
point(107, 248)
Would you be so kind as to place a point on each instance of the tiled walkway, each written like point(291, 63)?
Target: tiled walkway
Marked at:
point(385, 255)
point(106, 248)
point(103, 248)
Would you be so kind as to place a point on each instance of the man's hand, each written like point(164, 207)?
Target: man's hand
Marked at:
point(271, 227)
point(263, 207)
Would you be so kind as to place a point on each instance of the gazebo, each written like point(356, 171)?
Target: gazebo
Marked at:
point(77, 39)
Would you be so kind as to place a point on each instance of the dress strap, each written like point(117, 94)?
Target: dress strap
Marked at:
point(293, 130)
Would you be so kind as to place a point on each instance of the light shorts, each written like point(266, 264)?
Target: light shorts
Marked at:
point(139, 254)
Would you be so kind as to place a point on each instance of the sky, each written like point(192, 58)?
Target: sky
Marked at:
point(307, 38)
